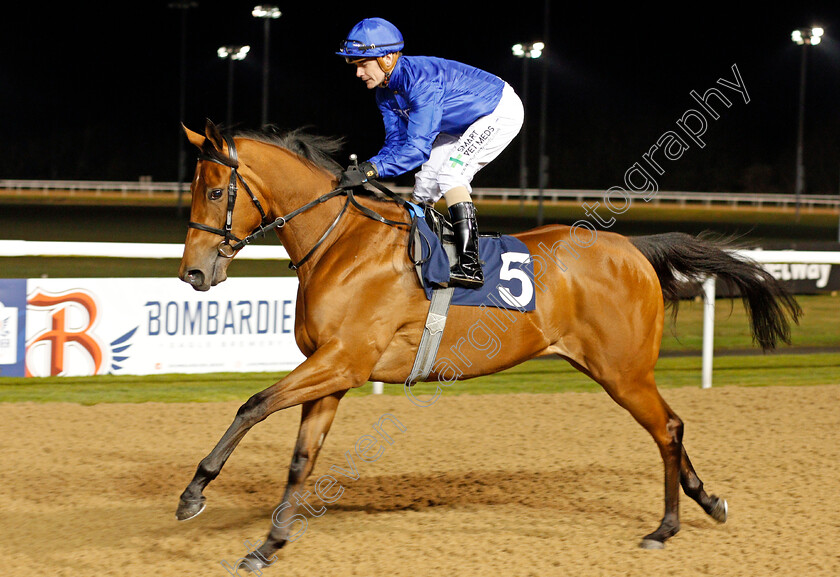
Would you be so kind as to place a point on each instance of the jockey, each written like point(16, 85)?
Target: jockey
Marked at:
point(447, 118)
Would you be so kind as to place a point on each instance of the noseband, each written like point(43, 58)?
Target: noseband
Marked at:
point(231, 243)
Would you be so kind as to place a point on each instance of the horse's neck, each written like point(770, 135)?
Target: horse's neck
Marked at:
point(353, 231)
point(292, 185)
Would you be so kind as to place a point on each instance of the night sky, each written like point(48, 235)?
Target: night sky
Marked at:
point(91, 90)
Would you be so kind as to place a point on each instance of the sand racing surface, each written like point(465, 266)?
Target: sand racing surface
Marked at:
point(512, 485)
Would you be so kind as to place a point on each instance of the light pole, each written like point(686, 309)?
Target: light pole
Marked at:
point(183, 6)
point(267, 13)
point(804, 37)
point(526, 52)
point(231, 53)
point(543, 164)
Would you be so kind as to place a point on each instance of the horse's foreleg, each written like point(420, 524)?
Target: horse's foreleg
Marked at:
point(287, 524)
point(192, 501)
point(317, 377)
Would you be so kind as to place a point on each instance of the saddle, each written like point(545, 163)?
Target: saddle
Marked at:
point(437, 229)
point(506, 264)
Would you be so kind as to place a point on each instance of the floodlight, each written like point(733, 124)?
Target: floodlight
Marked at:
point(266, 11)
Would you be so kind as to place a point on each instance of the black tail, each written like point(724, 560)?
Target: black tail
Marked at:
point(769, 305)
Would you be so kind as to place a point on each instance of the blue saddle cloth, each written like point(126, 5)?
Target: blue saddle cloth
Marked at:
point(506, 262)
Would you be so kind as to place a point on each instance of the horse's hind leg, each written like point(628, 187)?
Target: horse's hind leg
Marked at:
point(651, 411)
point(287, 524)
point(642, 400)
point(713, 505)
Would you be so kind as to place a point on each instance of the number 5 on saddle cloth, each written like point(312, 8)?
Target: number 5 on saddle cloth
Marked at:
point(506, 261)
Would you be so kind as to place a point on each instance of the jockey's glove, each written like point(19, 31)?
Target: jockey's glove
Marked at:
point(358, 175)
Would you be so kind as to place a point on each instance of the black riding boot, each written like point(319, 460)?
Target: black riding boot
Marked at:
point(467, 271)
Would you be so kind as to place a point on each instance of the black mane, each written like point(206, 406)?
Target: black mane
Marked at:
point(318, 150)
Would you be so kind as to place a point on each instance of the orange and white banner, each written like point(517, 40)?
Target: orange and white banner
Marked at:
point(80, 327)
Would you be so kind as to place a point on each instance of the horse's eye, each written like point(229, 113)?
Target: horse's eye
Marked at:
point(214, 193)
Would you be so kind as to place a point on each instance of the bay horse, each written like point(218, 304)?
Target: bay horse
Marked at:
point(361, 310)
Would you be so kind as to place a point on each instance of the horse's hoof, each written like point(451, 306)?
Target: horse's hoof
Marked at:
point(254, 564)
point(651, 544)
point(189, 509)
point(720, 511)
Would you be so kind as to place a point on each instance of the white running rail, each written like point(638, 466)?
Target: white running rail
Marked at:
point(124, 250)
point(9, 248)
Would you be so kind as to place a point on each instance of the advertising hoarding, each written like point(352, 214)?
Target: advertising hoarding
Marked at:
point(141, 326)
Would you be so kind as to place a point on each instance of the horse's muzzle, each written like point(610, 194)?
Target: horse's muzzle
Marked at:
point(196, 279)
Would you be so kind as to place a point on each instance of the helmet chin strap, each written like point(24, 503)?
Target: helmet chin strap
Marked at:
point(383, 65)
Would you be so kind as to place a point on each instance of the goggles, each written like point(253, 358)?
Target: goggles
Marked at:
point(358, 48)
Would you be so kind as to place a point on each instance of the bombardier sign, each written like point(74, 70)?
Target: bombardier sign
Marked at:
point(80, 327)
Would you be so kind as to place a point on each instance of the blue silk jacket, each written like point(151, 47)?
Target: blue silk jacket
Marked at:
point(424, 97)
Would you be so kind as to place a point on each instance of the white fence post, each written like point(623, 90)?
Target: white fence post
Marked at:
point(708, 330)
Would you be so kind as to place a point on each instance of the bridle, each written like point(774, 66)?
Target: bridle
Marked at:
point(231, 243)
point(226, 249)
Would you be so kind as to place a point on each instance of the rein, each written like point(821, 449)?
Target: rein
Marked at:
point(231, 243)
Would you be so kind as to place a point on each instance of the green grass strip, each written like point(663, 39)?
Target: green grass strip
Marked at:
point(536, 376)
point(818, 326)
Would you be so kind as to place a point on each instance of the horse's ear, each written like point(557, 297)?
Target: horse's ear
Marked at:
point(195, 138)
point(214, 136)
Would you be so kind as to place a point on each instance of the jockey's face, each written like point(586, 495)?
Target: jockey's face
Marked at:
point(369, 72)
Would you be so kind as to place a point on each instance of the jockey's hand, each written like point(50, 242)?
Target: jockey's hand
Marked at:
point(357, 176)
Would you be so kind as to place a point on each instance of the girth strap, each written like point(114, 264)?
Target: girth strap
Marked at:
point(432, 330)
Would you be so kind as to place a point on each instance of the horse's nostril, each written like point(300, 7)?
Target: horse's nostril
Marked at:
point(195, 278)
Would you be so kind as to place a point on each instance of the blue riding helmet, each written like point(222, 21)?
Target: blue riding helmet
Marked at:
point(371, 38)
